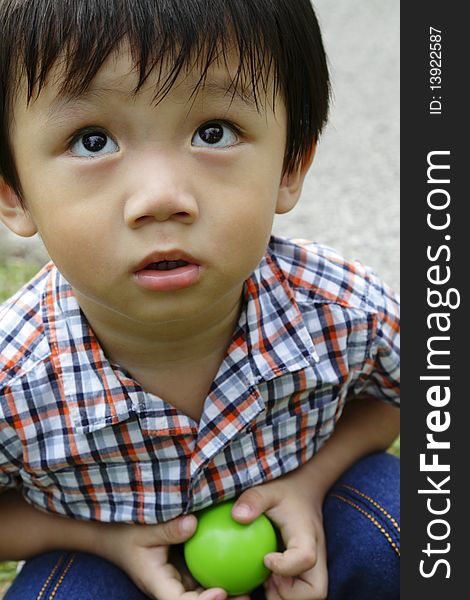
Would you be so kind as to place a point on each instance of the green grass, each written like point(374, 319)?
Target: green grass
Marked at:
point(7, 571)
point(13, 274)
point(395, 447)
point(7, 574)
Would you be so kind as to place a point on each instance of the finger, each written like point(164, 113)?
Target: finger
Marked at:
point(252, 503)
point(168, 586)
point(172, 532)
point(299, 534)
point(300, 588)
point(289, 588)
point(214, 594)
point(188, 581)
point(271, 591)
point(311, 585)
point(293, 561)
point(176, 558)
point(244, 597)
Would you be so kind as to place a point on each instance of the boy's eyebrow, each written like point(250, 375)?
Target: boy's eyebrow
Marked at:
point(215, 88)
point(223, 88)
point(64, 100)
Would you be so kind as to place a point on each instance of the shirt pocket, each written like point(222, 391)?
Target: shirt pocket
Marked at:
point(141, 481)
point(111, 492)
point(283, 444)
point(81, 488)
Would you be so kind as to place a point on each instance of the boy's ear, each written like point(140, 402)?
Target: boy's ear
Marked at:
point(13, 213)
point(291, 185)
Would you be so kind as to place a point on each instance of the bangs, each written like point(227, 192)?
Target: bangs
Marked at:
point(276, 44)
point(164, 37)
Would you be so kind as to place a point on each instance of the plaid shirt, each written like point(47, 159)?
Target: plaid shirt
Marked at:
point(83, 439)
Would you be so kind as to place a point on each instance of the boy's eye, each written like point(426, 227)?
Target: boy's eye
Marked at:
point(215, 135)
point(93, 143)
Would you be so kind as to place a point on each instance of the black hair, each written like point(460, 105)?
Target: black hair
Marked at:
point(276, 40)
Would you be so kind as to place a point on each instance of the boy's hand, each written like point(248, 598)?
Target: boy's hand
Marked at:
point(142, 551)
point(300, 572)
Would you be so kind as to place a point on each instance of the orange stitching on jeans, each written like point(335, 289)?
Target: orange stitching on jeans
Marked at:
point(56, 587)
point(376, 504)
point(61, 558)
point(371, 518)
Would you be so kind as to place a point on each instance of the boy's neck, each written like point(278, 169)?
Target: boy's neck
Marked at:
point(162, 347)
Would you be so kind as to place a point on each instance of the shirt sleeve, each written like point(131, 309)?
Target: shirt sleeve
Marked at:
point(10, 457)
point(380, 373)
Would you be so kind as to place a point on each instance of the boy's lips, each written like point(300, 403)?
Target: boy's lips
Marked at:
point(165, 271)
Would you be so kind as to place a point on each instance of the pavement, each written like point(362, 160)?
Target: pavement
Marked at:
point(351, 196)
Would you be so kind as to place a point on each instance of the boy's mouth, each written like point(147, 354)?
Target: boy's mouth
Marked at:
point(173, 272)
point(165, 265)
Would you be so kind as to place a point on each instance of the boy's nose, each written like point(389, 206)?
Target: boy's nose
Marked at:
point(160, 199)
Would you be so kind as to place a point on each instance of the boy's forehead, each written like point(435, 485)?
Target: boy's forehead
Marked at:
point(225, 78)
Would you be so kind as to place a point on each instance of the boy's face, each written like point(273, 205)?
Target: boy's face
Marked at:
point(114, 183)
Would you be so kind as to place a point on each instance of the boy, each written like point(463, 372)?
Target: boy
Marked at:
point(173, 355)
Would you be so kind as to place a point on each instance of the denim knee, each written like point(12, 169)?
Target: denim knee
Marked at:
point(72, 576)
point(361, 517)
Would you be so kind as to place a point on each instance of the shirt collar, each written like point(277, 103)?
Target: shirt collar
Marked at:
point(271, 339)
point(89, 388)
point(277, 337)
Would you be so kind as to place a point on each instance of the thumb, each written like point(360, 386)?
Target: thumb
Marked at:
point(251, 504)
point(177, 530)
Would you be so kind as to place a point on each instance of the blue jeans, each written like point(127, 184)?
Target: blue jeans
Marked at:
point(361, 519)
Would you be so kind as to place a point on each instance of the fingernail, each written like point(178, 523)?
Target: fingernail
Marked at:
point(187, 525)
point(243, 511)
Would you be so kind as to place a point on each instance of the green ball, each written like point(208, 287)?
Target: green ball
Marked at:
point(226, 554)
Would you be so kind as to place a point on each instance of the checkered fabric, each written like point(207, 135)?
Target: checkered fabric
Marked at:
point(83, 439)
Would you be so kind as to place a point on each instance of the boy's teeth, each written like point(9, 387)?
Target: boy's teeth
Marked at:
point(166, 265)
